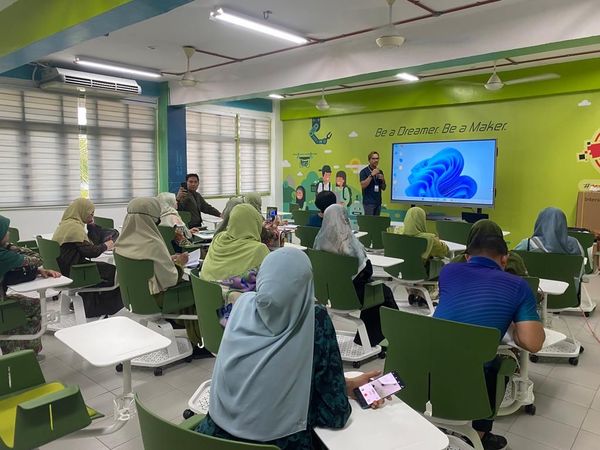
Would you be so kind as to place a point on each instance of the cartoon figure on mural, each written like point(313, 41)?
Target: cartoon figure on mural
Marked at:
point(316, 126)
point(301, 197)
point(591, 152)
point(342, 190)
point(325, 184)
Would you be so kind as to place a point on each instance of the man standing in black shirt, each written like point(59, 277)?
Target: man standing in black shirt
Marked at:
point(189, 200)
point(372, 183)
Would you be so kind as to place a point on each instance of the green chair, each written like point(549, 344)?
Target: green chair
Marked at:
point(453, 231)
point(412, 272)
point(559, 267)
point(104, 222)
point(374, 226)
point(441, 363)
point(307, 235)
point(294, 207)
point(84, 276)
point(186, 216)
point(209, 298)
point(11, 315)
point(160, 434)
point(333, 276)
point(134, 276)
point(588, 304)
point(168, 235)
point(587, 241)
point(16, 238)
point(301, 217)
point(32, 411)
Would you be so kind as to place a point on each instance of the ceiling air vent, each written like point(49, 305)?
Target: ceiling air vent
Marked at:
point(67, 80)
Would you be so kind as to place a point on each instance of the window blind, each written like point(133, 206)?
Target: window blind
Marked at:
point(255, 155)
point(211, 152)
point(121, 143)
point(39, 148)
point(230, 153)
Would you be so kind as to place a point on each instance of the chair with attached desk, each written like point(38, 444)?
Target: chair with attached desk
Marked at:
point(159, 434)
point(307, 235)
point(104, 222)
point(133, 278)
point(34, 412)
point(186, 216)
point(168, 235)
point(84, 276)
point(412, 272)
point(374, 226)
point(588, 305)
point(442, 363)
point(301, 217)
point(333, 276)
point(16, 238)
point(209, 299)
point(559, 267)
point(453, 231)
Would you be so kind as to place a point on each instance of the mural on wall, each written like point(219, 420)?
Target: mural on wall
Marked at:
point(535, 168)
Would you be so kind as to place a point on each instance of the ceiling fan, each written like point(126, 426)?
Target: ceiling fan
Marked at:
point(188, 80)
point(494, 83)
point(391, 38)
point(322, 104)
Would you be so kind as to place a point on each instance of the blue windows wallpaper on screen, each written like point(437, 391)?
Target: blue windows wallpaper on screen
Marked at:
point(444, 172)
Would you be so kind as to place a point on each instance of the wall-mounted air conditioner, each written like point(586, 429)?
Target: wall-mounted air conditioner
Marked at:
point(67, 80)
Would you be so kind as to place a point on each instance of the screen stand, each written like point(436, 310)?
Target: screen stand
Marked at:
point(479, 211)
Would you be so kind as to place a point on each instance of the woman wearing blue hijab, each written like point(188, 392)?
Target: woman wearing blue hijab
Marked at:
point(279, 372)
point(550, 235)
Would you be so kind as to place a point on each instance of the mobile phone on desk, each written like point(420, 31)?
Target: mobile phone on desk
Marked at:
point(378, 388)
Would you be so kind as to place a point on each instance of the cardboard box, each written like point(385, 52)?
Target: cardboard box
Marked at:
point(588, 211)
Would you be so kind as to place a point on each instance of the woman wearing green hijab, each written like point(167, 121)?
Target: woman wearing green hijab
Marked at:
point(13, 260)
point(238, 248)
point(485, 228)
point(76, 248)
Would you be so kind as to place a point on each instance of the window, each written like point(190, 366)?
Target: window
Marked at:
point(39, 148)
point(230, 153)
point(121, 150)
point(48, 154)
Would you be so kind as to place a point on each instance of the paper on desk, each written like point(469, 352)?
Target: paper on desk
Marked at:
point(193, 258)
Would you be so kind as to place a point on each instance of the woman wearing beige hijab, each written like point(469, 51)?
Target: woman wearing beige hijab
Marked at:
point(141, 240)
point(77, 248)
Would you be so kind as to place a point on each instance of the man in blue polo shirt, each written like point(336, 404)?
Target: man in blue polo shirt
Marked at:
point(372, 183)
point(479, 292)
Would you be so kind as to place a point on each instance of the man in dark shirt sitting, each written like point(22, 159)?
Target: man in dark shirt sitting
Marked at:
point(323, 200)
point(189, 200)
point(480, 292)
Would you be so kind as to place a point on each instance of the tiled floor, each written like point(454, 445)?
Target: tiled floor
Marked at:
point(567, 397)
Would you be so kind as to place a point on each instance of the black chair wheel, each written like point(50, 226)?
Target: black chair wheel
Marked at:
point(382, 355)
point(534, 358)
point(189, 359)
point(574, 361)
point(356, 364)
point(587, 314)
point(158, 372)
point(119, 367)
point(188, 413)
point(581, 349)
point(530, 409)
point(412, 299)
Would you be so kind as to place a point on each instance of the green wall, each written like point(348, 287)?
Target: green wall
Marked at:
point(538, 141)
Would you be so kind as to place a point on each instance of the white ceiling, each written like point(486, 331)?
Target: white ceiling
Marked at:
point(486, 27)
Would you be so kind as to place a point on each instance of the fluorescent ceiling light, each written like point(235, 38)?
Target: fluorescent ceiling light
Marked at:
point(407, 76)
point(115, 68)
point(277, 96)
point(237, 19)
